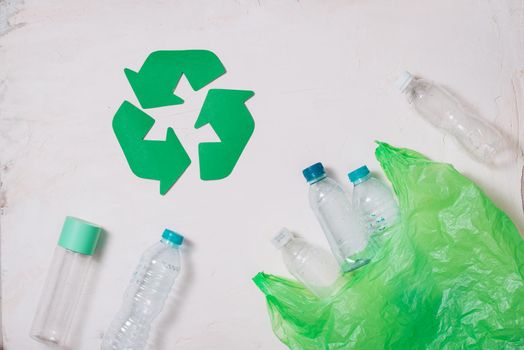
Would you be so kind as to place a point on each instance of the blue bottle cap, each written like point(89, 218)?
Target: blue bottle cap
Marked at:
point(314, 172)
point(172, 237)
point(358, 174)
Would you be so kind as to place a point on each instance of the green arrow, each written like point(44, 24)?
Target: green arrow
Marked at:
point(155, 83)
point(226, 112)
point(149, 159)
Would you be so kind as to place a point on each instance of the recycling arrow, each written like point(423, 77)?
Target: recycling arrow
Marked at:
point(150, 159)
point(154, 86)
point(226, 112)
point(158, 77)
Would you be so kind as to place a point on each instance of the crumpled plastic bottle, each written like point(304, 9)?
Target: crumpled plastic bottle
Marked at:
point(438, 106)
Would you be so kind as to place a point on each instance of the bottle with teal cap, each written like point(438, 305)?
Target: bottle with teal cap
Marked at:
point(65, 281)
point(337, 218)
point(145, 295)
point(374, 203)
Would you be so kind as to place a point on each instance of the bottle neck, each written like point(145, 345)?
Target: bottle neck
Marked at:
point(361, 180)
point(169, 243)
point(410, 91)
point(283, 246)
point(408, 85)
point(290, 246)
point(318, 179)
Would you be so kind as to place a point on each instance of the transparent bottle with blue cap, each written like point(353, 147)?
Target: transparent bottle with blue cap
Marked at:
point(146, 294)
point(337, 218)
point(373, 201)
point(65, 281)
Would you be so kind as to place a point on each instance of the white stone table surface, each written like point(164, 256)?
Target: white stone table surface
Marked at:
point(323, 74)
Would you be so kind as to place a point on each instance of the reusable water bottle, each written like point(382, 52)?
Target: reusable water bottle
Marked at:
point(373, 202)
point(146, 294)
point(445, 112)
point(337, 219)
point(312, 266)
point(65, 282)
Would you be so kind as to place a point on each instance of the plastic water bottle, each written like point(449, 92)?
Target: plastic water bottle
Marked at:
point(445, 112)
point(337, 219)
point(312, 266)
point(373, 201)
point(146, 294)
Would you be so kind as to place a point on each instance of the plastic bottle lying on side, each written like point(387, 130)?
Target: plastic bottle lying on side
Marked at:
point(146, 295)
point(445, 112)
point(337, 219)
point(373, 201)
point(312, 266)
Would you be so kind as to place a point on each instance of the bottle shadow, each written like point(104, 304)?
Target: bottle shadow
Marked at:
point(175, 301)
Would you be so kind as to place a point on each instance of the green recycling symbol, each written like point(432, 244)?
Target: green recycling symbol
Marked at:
point(154, 86)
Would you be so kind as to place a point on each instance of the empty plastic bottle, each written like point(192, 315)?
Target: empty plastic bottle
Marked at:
point(65, 282)
point(373, 201)
point(313, 266)
point(145, 295)
point(337, 219)
point(445, 112)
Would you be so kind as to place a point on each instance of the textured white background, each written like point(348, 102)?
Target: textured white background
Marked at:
point(323, 74)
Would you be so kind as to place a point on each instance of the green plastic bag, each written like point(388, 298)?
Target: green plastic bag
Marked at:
point(449, 276)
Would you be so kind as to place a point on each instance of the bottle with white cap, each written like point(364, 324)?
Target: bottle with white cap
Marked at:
point(146, 294)
point(65, 282)
point(373, 201)
point(312, 266)
point(445, 112)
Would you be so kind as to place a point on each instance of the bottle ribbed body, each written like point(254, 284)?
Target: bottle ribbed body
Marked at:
point(144, 298)
point(447, 113)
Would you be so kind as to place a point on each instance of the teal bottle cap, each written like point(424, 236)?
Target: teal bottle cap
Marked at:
point(173, 237)
point(359, 174)
point(79, 236)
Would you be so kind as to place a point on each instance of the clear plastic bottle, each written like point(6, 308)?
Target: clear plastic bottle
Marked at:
point(65, 282)
point(373, 201)
point(445, 112)
point(146, 294)
point(336, 217)
point(314, 267)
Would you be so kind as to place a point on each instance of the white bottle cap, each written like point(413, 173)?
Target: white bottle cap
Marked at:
point(403, 81)
point(282, 238)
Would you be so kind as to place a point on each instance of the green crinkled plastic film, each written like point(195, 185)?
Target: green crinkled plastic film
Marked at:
point(449, 276)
